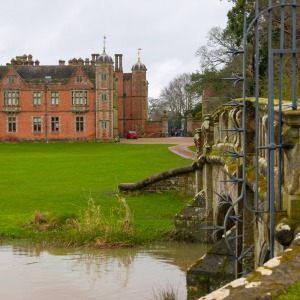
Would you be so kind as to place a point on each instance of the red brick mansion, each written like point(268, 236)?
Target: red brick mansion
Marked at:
point(89, 99)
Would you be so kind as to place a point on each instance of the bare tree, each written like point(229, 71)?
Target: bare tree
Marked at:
point(155, 109)
point(176, 98)
point(215, 54)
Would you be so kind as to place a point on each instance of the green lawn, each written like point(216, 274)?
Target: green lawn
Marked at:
point(59, 178)
point(292, 293)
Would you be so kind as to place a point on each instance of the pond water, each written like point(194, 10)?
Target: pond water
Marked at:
point(30, 272)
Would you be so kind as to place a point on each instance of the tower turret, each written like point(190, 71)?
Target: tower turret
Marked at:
point(139, 66)
point(104, 96)
point(139, 95)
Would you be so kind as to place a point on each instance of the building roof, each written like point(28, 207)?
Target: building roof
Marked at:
point(3, 71)
point(127, 76)
point(104, 58)
point(139, 66)
point(57, 73)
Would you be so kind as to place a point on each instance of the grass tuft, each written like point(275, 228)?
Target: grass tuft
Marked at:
point(40, 218)
point(96, 226)
point(167, 293)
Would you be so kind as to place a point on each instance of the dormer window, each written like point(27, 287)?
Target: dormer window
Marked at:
point(11, 79)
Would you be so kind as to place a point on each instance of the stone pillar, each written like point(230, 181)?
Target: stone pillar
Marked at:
point(293, 209)
point(291, 170)
point(183, 129)
point(198, 181)
point(208, 190)
point(208, 134)
point(165, 131)
point(189, 124)
point(198, 140)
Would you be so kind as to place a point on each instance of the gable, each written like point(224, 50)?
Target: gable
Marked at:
point(80, 79)
point(10, 78)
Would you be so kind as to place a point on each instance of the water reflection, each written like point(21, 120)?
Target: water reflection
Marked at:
point(29, 272)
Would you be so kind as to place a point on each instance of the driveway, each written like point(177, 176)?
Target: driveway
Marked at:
point(180, 147)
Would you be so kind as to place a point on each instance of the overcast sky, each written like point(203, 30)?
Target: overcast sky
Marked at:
point(169, 32)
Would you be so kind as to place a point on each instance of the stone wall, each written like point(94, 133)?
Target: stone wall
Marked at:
point(180, 179)
point(160, 128)
point(268, 281)
point(230, 200)
point(184, 182)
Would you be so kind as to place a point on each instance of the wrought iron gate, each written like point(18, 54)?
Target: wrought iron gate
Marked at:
point(272, 146)
point(177, 126)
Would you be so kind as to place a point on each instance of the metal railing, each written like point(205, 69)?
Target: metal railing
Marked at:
point(270, 145)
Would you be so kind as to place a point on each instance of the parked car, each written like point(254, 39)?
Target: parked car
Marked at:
point(132, 135)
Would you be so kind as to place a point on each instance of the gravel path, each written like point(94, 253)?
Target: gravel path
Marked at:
point(180, 147)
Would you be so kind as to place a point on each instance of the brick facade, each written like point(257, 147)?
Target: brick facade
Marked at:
point(153, 128)
point(84, 100)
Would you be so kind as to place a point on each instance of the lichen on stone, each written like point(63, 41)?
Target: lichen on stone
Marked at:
point(274, 262)
point(264, 271)
point(251, 285)
point(238, 282)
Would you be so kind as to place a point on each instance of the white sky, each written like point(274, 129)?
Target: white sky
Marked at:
point(169, 32)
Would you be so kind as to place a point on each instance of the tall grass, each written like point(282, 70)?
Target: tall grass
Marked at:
point(103, 228)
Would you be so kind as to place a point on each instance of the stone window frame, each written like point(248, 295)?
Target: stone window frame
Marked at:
point(37, 98)
point(11, 97)
point(79, 123)
point(103, 124)
point(11, 124)
point(11, 79)
point(54, 98)
point(37, 124)
point(79, 78)
point(104, 76)
point(79, 97)
point(103, 96)
point(55, 124)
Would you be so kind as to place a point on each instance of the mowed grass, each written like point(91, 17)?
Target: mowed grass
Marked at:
point(59, 178)
point(292, 293)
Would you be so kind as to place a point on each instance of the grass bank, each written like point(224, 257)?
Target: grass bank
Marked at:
point(54, 182)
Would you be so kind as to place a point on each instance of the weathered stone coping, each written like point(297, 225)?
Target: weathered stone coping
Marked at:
point(267, 281)
point(156, 177)
point(198, 165)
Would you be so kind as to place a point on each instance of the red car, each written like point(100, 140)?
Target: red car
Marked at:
point(131, 135)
